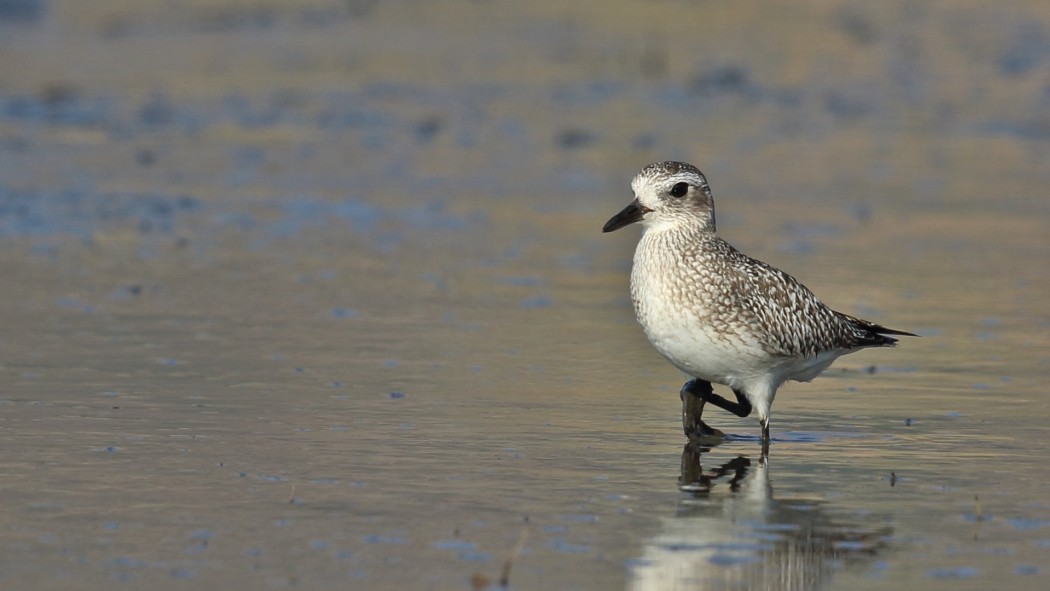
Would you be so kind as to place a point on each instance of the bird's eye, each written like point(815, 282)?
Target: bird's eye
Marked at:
point(679, 189)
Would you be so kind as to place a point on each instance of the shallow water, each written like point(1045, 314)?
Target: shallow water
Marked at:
point(317, 297)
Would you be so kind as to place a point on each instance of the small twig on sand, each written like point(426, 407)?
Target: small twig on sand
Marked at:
point(504, 578)
point(480, 582)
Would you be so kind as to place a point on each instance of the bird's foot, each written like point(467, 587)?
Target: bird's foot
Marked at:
point(703, 434)
point(693, 396)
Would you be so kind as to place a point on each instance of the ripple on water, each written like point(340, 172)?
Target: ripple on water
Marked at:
point(958, 572)
point(565, 547)
point(1025, 523)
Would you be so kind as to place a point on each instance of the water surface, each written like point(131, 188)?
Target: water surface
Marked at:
point(317, 296)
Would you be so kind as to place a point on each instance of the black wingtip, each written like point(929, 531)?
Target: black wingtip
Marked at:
point(877, 329)
point(875, 335)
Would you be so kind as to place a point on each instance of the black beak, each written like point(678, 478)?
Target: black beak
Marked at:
point(629, 215)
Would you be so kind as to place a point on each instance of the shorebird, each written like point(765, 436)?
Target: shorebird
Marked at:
point(720, 315)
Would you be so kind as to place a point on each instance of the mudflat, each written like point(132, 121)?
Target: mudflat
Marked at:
point(315, 295)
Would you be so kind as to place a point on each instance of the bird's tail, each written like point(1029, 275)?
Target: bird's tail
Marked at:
point(869, 334)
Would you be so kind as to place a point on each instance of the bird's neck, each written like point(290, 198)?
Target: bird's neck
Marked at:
point(692, 232)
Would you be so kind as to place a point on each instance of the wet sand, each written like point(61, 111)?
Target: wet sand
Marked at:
point(317, 297)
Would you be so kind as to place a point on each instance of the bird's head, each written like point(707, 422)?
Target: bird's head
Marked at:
point(668, 194)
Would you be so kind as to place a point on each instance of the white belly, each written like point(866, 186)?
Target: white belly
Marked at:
point(695, 349)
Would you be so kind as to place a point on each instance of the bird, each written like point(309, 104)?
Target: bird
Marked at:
point(719, 315)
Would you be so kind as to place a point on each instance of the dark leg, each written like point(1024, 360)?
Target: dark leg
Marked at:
point(765, 437)
point(741, 408)
point(692, 395)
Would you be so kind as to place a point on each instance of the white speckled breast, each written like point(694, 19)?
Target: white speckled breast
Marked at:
point(676, 303)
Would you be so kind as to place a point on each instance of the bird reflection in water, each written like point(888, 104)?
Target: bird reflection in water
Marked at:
point(730, 532)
